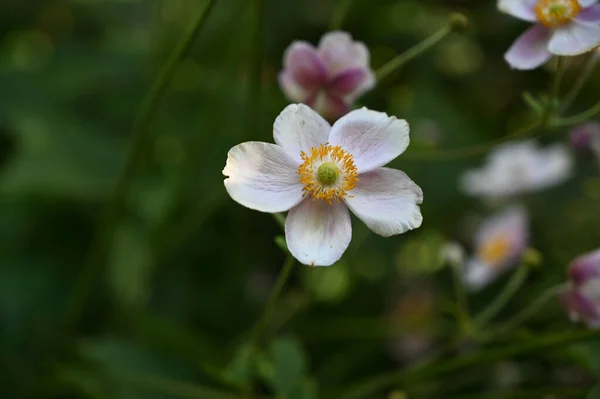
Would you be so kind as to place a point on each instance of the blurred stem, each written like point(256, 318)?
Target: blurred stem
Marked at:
point(462, 300)
point(280, 219)
point(511, 288)
point(401, 59)
point(579, 118)
point(339, 14)
point(253, 99)
point(263, 322)
point(585, 74)
point(432, 370)
point(558, 75)
point(137, 142)
point(530, 310)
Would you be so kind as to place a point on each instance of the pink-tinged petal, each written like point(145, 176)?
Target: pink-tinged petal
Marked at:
point(339, 52)
point(585, 267)
point(579, 306)
point(303, 62)
point(292, 90)
point(318, 233)
point(590, 15)
point(511, 224)
point(263, 177)
point(348, 81)
point(330, 106)
point(583, 136)
point(530, 50)
point(387, 201)
point(522, 9)
point(298, 128)
point(373, 138)
point(478, 275)
point(574, 39)
point(587, 3)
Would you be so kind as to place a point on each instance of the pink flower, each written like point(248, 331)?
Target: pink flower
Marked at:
point(562, 27)
point(328, 78)
point(582, 300)
point(318, 171)
point(585, 137)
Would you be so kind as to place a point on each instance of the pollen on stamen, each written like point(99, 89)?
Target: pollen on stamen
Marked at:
point(555, 13)
point(337, 185)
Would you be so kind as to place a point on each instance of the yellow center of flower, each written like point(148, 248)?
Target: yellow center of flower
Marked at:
point(494, 251)
point(328, 173)
point(555, 13)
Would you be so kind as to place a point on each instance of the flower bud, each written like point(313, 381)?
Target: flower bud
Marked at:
point(582, 300)
point(585, 137)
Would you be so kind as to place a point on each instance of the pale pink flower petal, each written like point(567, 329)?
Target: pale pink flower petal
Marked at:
point(298, 128)
point(589, 15)
point(348, 81)
point(292, 90)
point(585, 267)
point(330, 106)
point(339, 53)
point(587, 3)
point(386, 200)
point(530, 50)
point(522, 9)
point(574, 39)
point(263, 177)
point(373, 138)
point(305, 66)
point(318, 233)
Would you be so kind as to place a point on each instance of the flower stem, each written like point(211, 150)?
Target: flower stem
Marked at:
point(263, 322)
point(585, 74)
point(280, 219)
point(253, 93)
point(431, 370)
point(511, 288)
point(576, 119)
point(530, 310)
point(137, 142)
point(401, 59)
point(558, 75)
point(339, 14)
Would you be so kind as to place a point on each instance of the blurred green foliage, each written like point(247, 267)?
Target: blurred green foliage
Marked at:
point(188, 271)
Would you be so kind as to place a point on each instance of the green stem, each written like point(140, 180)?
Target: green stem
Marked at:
point(462, 300)
point(466, 152)
point(401, 59)
point(558, 75)
point(411, 375)
point(253, 94)
point(531, 310)
point(339, 14)
point(585, 74)
point(511, 288)
point(137, 142)
point(263, 322)
point(280, 219)
point(579, 118)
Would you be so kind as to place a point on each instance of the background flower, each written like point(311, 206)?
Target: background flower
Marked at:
point(328, 78)
point(582, 300)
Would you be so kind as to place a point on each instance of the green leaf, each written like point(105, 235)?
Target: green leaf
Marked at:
point(589, 354)
point(241, 368)
point(290, 365)
point(594, 393)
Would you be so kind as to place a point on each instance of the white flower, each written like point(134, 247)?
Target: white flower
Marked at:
point(499, 244)
point(318, 171)
point(516, 168)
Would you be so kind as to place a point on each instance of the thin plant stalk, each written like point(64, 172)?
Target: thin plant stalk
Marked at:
point(584, 76)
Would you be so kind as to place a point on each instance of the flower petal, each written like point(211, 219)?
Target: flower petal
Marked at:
point(519, 8)
point(574, 39)
point(373, 138)
point(478, 275)
point(587, 3)
point(292, 90)
point(387, 201)
point(530, 50)
point(339, 52)
point(298, 128)
point(305, 66)
point(589, 15)
point(585, 267)
point(330, 106)
point(348, 81)
point(263, 177)
point(318, 233)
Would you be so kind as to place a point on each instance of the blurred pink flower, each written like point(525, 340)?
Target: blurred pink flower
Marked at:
point(499, 244)
point(562, 27)
point(328, 78)
point(585, 137)
point(318, 171)
point(582, 300)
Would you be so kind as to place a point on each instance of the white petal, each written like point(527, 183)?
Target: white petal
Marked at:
point(587, 3)
point(318, 233)
point(298, 128)
point(263, 177)
point(292, 90)
point(373, 138)
point(530, 50)
point(574, 39)
point(478, 275)
point(339, 52)
point(387, 201)
point(522, 9)
point(511, 223)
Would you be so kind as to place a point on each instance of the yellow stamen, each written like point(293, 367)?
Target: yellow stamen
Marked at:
point(494, 251)
point(328, 173)
point(555, 13)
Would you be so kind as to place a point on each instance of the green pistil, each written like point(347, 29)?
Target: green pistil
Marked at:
point(328, 173)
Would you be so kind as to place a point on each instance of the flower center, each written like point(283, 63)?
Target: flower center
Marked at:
point(328, 173)
point(494, 251)
point(555, 13)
